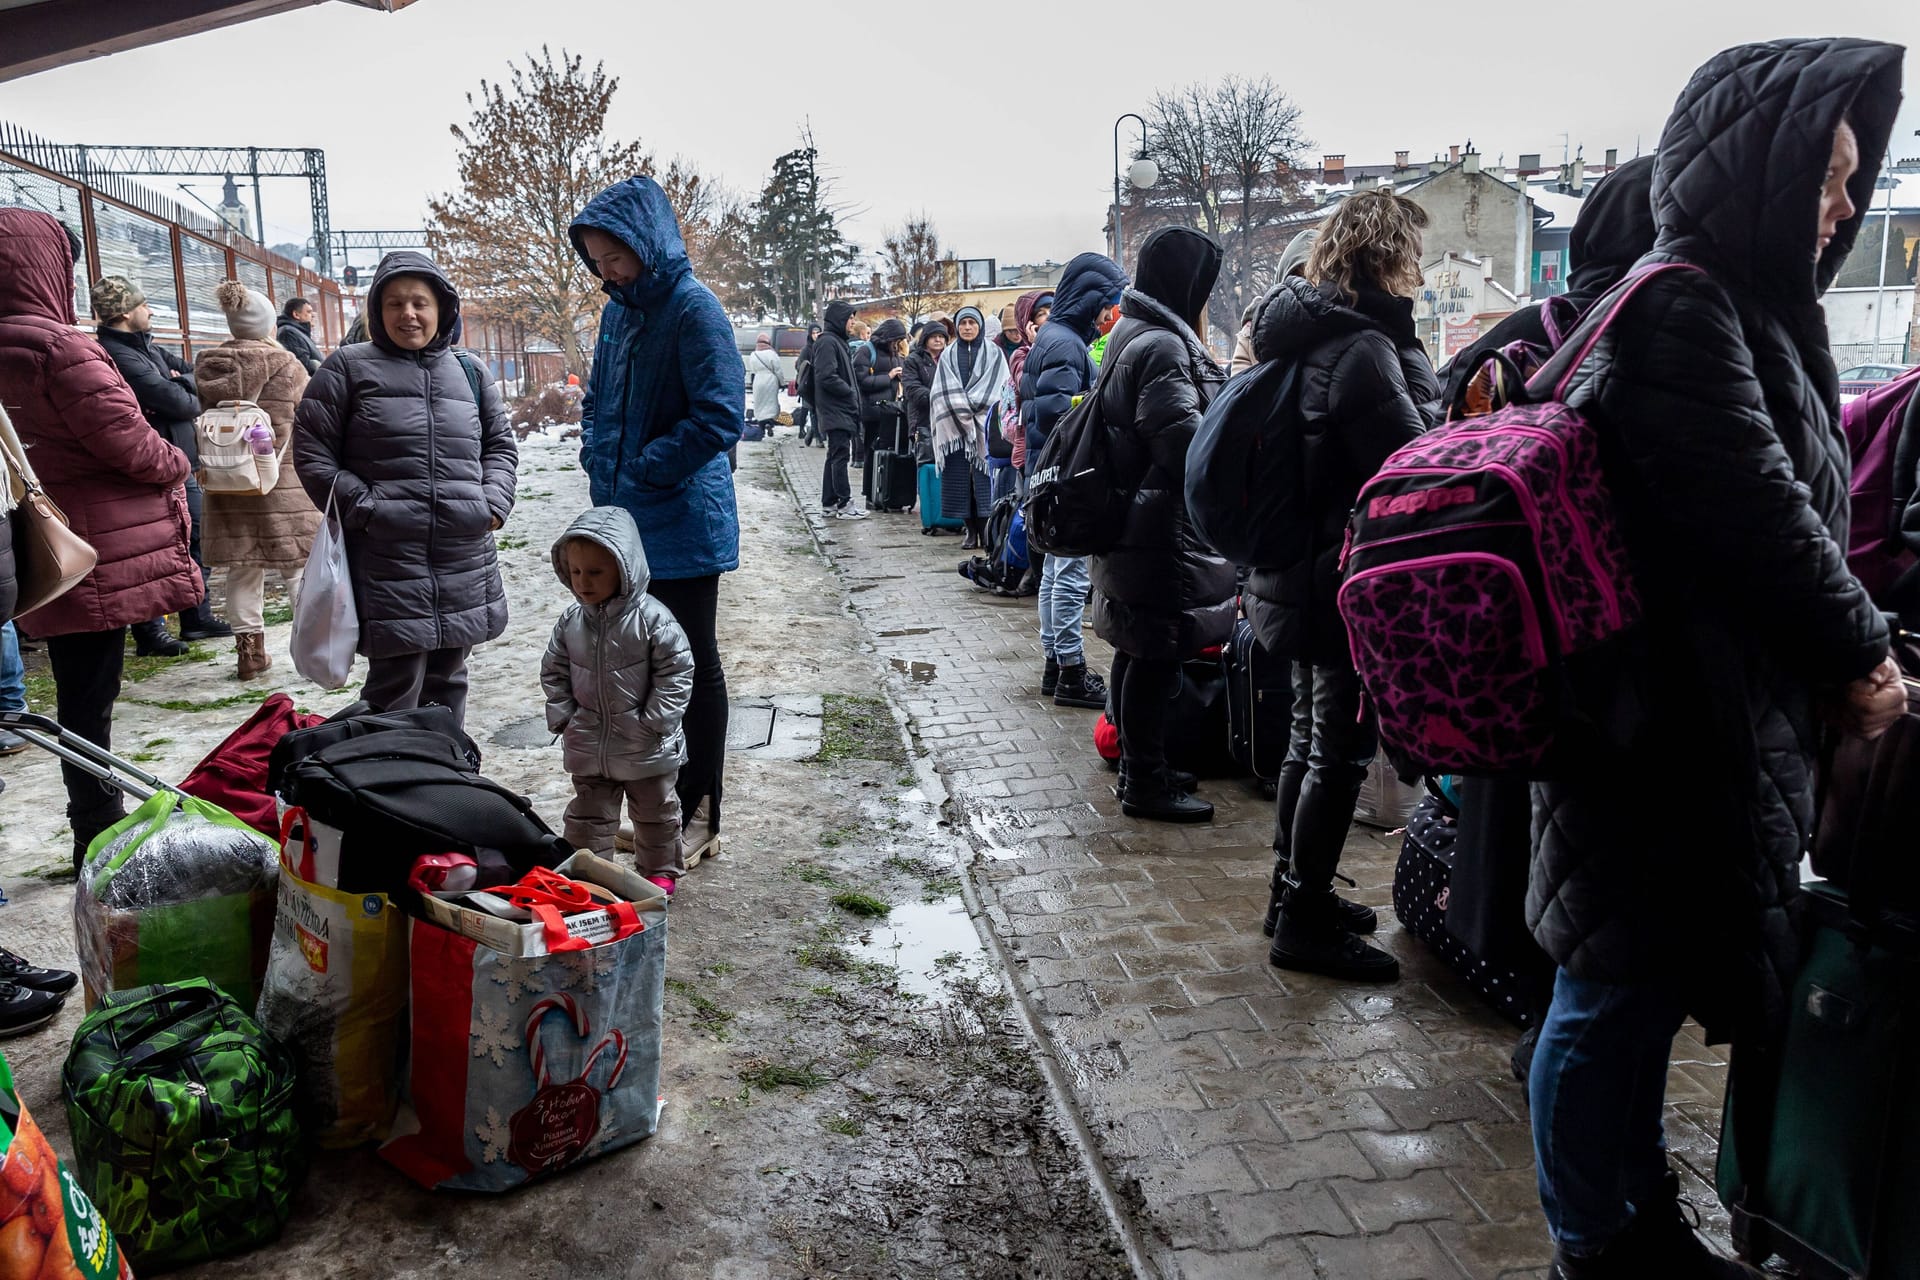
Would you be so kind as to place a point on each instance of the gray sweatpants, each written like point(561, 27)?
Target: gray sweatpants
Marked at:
point(593, 819)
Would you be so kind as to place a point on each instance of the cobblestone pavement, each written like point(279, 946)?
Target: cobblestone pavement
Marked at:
point(1258, 1123)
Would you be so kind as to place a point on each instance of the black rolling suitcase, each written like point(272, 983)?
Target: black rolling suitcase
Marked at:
point(1259, 703)
point(896, 474)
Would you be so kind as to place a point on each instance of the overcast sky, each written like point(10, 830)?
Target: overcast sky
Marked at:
point(995, 118)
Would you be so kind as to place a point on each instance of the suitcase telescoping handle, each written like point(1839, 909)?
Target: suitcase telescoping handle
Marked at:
point(47, 734)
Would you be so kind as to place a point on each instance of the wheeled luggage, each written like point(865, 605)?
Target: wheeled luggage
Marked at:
point(931, 521)
point(1259, 703)
point(1816, 1150)
point(234, 774)
point(177, 889)
point(183, 1124)
point(1197, 738)
point(895, 473)
point(1422, 896)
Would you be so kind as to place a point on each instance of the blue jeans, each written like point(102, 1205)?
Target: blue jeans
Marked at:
point(13, 676)
point(1598, 1085)
point(1063, 603)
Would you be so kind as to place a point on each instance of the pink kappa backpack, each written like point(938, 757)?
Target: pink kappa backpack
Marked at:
point(1483, 555)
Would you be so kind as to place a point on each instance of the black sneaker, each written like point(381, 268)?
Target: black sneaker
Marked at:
point(1049, 678)
point(1080, 687)
point(200, 624)
point(1308, 937)
point(17, 971)
point(22, 1009)
point(153, 640)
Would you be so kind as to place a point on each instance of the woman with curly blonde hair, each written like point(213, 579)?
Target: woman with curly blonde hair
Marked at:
point(1365, 388)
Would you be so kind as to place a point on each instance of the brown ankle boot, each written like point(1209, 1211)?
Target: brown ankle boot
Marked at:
point(251, 648)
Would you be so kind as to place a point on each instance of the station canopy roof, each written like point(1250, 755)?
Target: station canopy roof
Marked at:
point(38, 35)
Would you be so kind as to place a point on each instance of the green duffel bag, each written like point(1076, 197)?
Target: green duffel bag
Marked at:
point(183, 1125)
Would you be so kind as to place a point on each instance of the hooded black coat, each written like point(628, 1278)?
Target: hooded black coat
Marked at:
point(879, 390)
point(836, 390)
point(916, 384)
point(297, 337)
point(1673, 859)
point(1613, 229)
point(1160, 593)
point(1365, 388)
point(418, 470)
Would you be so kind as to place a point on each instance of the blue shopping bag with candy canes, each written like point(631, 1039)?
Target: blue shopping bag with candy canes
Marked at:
point(522, 1066)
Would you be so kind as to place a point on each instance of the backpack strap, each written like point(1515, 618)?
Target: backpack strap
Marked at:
point(471, 368)
point(1558, 371)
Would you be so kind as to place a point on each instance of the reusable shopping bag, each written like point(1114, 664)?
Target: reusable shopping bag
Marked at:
point(326, 625)
point(335, 992)
point(522, 1066)
point(177, 889)
point(48, 1227)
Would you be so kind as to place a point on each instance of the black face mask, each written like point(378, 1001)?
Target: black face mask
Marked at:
point(1177, 268)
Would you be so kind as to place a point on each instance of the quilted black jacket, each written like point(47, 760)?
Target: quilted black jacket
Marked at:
point(1160, 592)
point(1366, 387)
point(1673, 858)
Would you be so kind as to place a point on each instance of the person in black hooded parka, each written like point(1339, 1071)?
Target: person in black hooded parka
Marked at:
point(1365, 388)
point(1663, 869)
point(881, 411)
point(1486, 903)
point(1160, 595)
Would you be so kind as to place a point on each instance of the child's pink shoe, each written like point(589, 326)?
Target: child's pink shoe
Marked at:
point(666, 883)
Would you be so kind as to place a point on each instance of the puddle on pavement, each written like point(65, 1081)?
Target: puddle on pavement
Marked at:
point(996, 829)
point(908, 631)
point(532, 732)
point(918, 672)
point(925, 942)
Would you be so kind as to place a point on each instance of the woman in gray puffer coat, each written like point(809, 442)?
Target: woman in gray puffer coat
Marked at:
point(618, 676)
point(414, 446)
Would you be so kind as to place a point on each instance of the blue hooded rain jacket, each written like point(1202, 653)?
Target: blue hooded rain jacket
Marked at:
point(664, 400)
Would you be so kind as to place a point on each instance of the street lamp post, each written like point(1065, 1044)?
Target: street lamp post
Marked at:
point(1141, 174)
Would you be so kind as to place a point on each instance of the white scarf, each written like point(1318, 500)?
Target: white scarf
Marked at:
point(960, 411)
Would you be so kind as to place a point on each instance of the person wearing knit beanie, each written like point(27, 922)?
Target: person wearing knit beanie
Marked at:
point(249, 314)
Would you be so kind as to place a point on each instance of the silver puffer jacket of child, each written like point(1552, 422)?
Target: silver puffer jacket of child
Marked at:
point(617, 674)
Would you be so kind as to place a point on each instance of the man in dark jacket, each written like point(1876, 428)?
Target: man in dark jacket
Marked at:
point(296, 333)
point(1058, 368)
point(163, 384)
point(836, 409)
point(882, 414)
point(1161, 595)
point(1664, 868)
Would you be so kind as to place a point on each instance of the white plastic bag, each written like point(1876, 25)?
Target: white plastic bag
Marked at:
point(326, 625)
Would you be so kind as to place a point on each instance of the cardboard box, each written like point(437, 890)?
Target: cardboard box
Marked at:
point(514, 938)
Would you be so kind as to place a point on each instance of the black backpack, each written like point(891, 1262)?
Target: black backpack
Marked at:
point(357, 721)
point(1244, 470)
point(406, 792)
point(1073, 508)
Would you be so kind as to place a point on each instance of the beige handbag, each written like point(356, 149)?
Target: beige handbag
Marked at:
point(49, 558)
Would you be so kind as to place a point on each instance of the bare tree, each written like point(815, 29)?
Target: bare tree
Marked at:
point(915, 268)
point(718, 230)
point(1226, 152)
point(532, 154)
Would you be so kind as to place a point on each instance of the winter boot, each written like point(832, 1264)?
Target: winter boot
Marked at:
point(1080, 687)
point(1310, 937)
point(1180, 778)
point(1355, 917)
point(252, 658)
point(153, 640)
point(1049, 678)
point(198, 623)
point(1662, 1240)
point(1153, 796)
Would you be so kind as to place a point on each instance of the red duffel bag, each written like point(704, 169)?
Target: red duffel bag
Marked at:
point(234, 774)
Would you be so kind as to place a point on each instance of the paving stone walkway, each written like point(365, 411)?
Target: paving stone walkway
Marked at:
point(1257, 1123)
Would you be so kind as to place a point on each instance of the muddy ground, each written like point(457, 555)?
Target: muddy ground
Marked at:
point(849, 1090)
